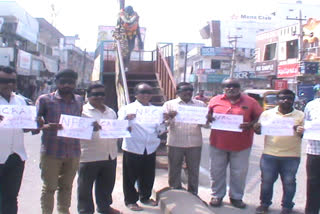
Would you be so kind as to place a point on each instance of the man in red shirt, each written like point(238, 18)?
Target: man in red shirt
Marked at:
point(229, 147)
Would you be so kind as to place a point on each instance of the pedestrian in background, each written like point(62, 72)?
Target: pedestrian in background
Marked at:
point(12, 152)
point(139, 152)
point(281, 154)
point(200, 96)
point(231, 148)
point(184, 140)
point(312, 114)
point(60, 156)
point(98, 161)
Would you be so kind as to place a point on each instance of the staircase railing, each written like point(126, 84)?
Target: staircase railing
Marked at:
point(163, 70)
point(121, 80)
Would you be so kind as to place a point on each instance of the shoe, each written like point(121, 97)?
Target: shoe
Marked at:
point(262, 210)
point(215, 202)
point(113, 211)
point(134, 207)
point(150, 202)
point(285, 210)
point(238, 203)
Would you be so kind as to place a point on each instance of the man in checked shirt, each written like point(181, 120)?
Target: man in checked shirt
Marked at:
point(59, 160)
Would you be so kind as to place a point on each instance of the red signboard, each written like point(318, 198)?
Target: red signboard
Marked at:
point(280, 84)
point(288, 70)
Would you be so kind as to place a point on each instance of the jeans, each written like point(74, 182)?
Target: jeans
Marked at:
point(271, 167)
point(10, 181)
point(313, 184)
point(101, 174)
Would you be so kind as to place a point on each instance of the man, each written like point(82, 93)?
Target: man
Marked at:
point(12, 152)
point(312, 113)
point(184, 140)
point(202, 97)
point(139, 152)
point(281, 154)
point(126, 31)
point(98, 160)
point(229, 147)
point(59, 155)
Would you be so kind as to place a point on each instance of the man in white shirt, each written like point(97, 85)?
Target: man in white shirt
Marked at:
point(139, 156)
point(98, 161)
point(312, 113)
point(12, 152)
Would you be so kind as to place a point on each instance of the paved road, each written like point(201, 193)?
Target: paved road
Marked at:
point(29, 198)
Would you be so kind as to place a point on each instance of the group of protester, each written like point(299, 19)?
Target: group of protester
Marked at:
point(95, 160)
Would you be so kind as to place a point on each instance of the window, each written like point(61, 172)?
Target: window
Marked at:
point(292, 49)
point(270, 52)
point(41, 48)
point(198, 65)
point(215, 64)
point(48, 50)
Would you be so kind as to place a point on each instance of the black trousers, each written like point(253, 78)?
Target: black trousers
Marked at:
point(313, 184)
point(103, 175)
point(141, 169)
point(11, 173)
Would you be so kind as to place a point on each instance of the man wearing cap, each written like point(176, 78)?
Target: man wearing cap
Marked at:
point(60, 156)
point(312, 113)
point(229, 147)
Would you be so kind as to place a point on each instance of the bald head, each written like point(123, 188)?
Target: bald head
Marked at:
point(231, 88)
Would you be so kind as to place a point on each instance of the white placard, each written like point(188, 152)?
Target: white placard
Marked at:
point(76, 127)
point(149, 114)
point(191, 114)
point(114, 128)
point(227, 122)
point(18, 117)
point(311, 130)
point(278, 126)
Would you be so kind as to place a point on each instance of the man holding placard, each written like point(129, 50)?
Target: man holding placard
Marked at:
point(59, 155)
point(282, 148)
point(184, 137)
point(12, 153)
point(139, 151)
point(98, 161)
point(312, 119)
point(231, 141)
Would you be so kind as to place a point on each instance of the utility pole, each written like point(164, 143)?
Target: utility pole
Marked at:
point(185, 62)
point(233, 61)
point(122, 3)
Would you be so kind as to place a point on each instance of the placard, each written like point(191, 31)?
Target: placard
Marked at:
point(18, 117)
point(76, 127)
point(227, 122)
point(278, 126)
point(114, 129)
point(311, 130)
point(149, 114)
point(192, 114)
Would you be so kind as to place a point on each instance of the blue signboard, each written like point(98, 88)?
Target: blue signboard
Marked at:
point(216, 78)
point(211, 51)
point(305, 92)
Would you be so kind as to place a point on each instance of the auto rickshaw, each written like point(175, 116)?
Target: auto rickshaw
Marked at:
point(266, 97)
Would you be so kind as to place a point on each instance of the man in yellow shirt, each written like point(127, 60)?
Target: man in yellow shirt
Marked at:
point(281, 154)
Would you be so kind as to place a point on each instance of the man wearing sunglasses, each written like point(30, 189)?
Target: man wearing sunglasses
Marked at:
point(139, 152)
point(12, 152)
point(60, 156)
point(184, 140)
point(231, 148)
point(281, 154)
point(98, 160)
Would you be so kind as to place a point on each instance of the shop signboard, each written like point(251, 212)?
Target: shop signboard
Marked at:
point(305, 92)
point(309, 67)
point(193, 78)
point(1, 22)
point(280, 84)
point(24, 63)
point(212, 51)
point(202, 78)
point(216, 78)
point(267, 68)
point(288, 70)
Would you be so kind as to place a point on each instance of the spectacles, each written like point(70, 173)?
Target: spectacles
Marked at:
point(144, 92)
point(232, 85)
point(286, 98)
point(7, 81)
point(96, 94)
point(67, 81)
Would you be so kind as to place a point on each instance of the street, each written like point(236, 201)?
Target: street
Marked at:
point(29, 197)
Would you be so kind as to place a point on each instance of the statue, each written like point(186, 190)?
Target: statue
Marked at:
point(127, 30)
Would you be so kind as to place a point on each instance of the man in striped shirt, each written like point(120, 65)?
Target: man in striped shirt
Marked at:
point(312, 113)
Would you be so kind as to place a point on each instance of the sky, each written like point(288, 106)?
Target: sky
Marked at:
point(166, 20)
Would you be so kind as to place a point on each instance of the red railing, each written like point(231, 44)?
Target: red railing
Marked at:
point(164, 73)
